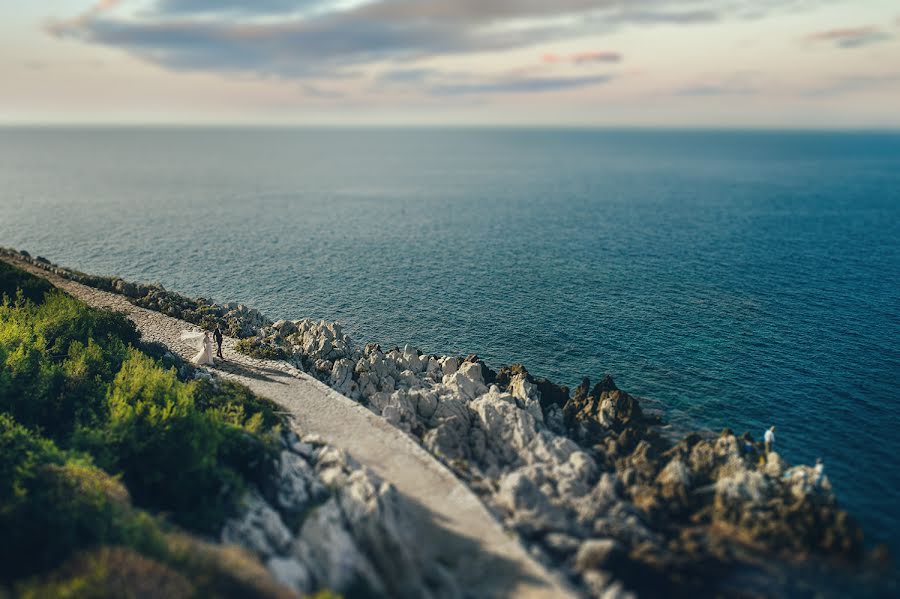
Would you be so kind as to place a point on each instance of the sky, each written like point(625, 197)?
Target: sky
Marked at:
point(672, 63)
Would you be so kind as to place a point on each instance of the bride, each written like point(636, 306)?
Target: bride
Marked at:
point(202, 342)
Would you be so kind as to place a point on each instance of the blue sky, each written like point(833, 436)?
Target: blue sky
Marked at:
point(748, 63)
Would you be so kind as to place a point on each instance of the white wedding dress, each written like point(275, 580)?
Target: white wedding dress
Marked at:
point(202, 342)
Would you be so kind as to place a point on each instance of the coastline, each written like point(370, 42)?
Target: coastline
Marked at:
point(585, 479)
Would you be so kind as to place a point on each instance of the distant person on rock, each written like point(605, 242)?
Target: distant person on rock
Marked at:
point(769, 438)
point(217, 335)
point(748, 447)
point(819, 472)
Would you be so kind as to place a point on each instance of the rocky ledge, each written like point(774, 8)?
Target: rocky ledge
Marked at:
point(589, 483)
point(585, 478)
point(326, 522)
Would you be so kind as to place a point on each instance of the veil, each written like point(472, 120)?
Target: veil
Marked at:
point(194, 339)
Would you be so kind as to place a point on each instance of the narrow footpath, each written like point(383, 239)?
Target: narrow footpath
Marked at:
point(453, 525)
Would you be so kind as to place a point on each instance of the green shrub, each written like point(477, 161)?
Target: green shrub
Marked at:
point(61, 320)
point(176, 454)
point(89, 423)
point(253, 347)
point(14, 280)
point(56, 358)
point(53, 503)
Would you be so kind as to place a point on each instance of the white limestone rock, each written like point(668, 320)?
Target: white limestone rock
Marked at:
point(528, 508)
point(775, 465)
point(509, 429)
point(745, 488)
point(380, 521)
point(294, 479)
point(528, 396)
point(464, 386)
point(341, 378)
point(449, 365)
point(330, 553)
point(259, 528)
point(674, 480)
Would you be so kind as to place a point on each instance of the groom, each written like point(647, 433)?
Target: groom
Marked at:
point(217, 336)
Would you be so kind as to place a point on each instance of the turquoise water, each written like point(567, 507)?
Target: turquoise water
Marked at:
point(740, 279)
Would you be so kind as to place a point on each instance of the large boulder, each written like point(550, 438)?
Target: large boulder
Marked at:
point(330, 553)
point(591, 416)
point(258, 528)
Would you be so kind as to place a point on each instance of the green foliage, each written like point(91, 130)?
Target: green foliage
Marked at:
point(255, 348)
point(88, 424)
point(56, 358)
point(177, 454)
point(13, 281)
point(53, 502)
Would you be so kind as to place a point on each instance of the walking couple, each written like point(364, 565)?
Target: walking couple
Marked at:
point(203, 342)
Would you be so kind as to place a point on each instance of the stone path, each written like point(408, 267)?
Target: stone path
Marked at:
point(453, 524)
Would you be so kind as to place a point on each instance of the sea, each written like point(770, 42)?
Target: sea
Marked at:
point(735, 278)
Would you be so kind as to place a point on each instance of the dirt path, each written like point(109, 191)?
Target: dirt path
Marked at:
point(453, 524)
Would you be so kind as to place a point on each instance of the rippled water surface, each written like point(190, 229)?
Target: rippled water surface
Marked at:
point(741, 279)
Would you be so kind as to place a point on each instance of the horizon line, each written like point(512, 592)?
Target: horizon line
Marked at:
point(887, 129)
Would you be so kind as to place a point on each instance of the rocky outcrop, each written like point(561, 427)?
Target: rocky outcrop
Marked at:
point(326, 522)
point(587, 480)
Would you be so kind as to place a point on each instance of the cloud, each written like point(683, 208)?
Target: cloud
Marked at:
point(436, 82)
point(83, 20)
point(851, 37)
point(406, 76)
point(325, 39)
point(518, 85)
point(244, 7)
point(740, 83)
point(714, 89)
point(582, 57)
point(314, 91)
point(851, 84)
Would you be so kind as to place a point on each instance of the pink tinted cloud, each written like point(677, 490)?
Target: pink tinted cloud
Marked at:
point(850, 37)
point(59, 28)
point(582, 57)
point(842, 33)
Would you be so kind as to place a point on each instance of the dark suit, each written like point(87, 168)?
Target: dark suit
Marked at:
point(217, 335)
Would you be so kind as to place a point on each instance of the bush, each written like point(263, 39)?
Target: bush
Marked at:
point(13, 281)
point(52, 503)
point(110, 572)
point(56, 358)
point(176, 454)
point(255, 348)
point(89, 423)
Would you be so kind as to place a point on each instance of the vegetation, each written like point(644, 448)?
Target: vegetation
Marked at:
point(255, 348)
point(104, 450)
point(13, 281)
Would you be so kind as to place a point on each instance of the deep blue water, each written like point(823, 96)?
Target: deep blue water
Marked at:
point(740, 279)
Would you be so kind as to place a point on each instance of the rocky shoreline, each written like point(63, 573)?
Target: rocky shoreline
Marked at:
point(583, 477)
